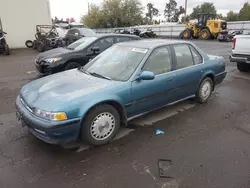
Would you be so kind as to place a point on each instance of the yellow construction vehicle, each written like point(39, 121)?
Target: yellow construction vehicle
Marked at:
point(206, 28)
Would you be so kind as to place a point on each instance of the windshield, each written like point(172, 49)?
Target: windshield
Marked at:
point(117, 62)
point(81, 43)
point(87, 32)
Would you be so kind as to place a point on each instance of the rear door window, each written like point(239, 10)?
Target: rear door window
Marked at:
point(122, 39)
point(196, 55)
point(104, 43)
point(183, 55)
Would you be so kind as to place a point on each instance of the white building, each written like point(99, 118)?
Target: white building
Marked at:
point(20, 17)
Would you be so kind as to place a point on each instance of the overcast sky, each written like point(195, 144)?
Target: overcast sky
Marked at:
point(76, 8)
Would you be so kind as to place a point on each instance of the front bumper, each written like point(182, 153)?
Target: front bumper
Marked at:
point(47, 69)
point(49, 131)
point(239, 59)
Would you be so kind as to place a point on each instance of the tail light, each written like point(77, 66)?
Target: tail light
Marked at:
point(233, 43)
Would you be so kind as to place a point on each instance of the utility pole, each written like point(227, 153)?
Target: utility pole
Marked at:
point(88, 7)
point(185, 10)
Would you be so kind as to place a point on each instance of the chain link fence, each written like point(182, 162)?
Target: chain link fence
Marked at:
point(174, 30)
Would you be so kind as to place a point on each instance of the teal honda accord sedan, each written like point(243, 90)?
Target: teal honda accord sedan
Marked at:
point(127, 80)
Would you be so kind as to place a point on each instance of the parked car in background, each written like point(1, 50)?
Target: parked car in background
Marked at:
point(147, 33)
point(75, 34)
point(241, 52)
point(122, 31)
point(125, 81)
point(78, 53)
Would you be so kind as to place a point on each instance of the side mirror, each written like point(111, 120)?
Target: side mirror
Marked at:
point(146, 75)
point(95, 49)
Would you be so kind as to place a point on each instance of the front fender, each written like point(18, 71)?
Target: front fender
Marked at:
point(84, 109)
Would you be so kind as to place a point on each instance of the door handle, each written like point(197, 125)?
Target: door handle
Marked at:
point(170, 78)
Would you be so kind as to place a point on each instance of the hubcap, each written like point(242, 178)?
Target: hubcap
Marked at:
point(185, 34)
point(206, 90)
point(204, 35)
point(102, 126)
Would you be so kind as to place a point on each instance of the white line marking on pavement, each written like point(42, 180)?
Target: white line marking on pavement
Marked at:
point(30, 72)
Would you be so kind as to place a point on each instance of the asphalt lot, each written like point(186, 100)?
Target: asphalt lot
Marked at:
point(207, 144)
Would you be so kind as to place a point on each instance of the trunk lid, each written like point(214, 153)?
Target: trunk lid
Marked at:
point(242, 44)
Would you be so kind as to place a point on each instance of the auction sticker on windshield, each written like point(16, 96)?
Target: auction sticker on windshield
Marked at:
point(141, 50)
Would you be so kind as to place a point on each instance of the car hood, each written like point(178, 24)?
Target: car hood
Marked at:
point(52, 92)
point(56, 52)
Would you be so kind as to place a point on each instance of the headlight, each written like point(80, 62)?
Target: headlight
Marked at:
point(53, 60)
point(54, 116)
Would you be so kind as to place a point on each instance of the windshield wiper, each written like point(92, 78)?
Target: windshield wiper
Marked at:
point(83, 70)
point(99, 75)
point(69, 48)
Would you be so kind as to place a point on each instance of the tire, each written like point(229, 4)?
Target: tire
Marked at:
point(205, 34)
point(181, 35)
point(186, 34)
point(6, 49)
point(243, 67)
point(35, 44)
point(72, 65)
point(29, 44)
point(99, 113)
point(206, 85)
point(40, 46)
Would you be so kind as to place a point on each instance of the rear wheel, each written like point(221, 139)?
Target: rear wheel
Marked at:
point(6, 49)
point(100, 125)
point(243, 67)
point(186, 34)
point(72, 65)
point(40, 46)
point(204, 91)
point(205, 34)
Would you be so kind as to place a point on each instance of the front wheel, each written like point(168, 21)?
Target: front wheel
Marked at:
point(205, 90)
point(186, 34)
point(6, 49)
point(100, 125)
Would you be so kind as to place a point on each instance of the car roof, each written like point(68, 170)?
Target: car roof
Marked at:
point(113, 35)
point(152, 43)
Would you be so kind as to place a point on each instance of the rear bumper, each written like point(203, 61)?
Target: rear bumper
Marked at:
point(220, 77)
point(238, 59)
point(49, 131)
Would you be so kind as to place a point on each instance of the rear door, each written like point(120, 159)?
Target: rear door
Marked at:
point(188, 68)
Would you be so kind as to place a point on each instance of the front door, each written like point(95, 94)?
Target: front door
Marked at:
point(150, 94)
point(189, 70)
